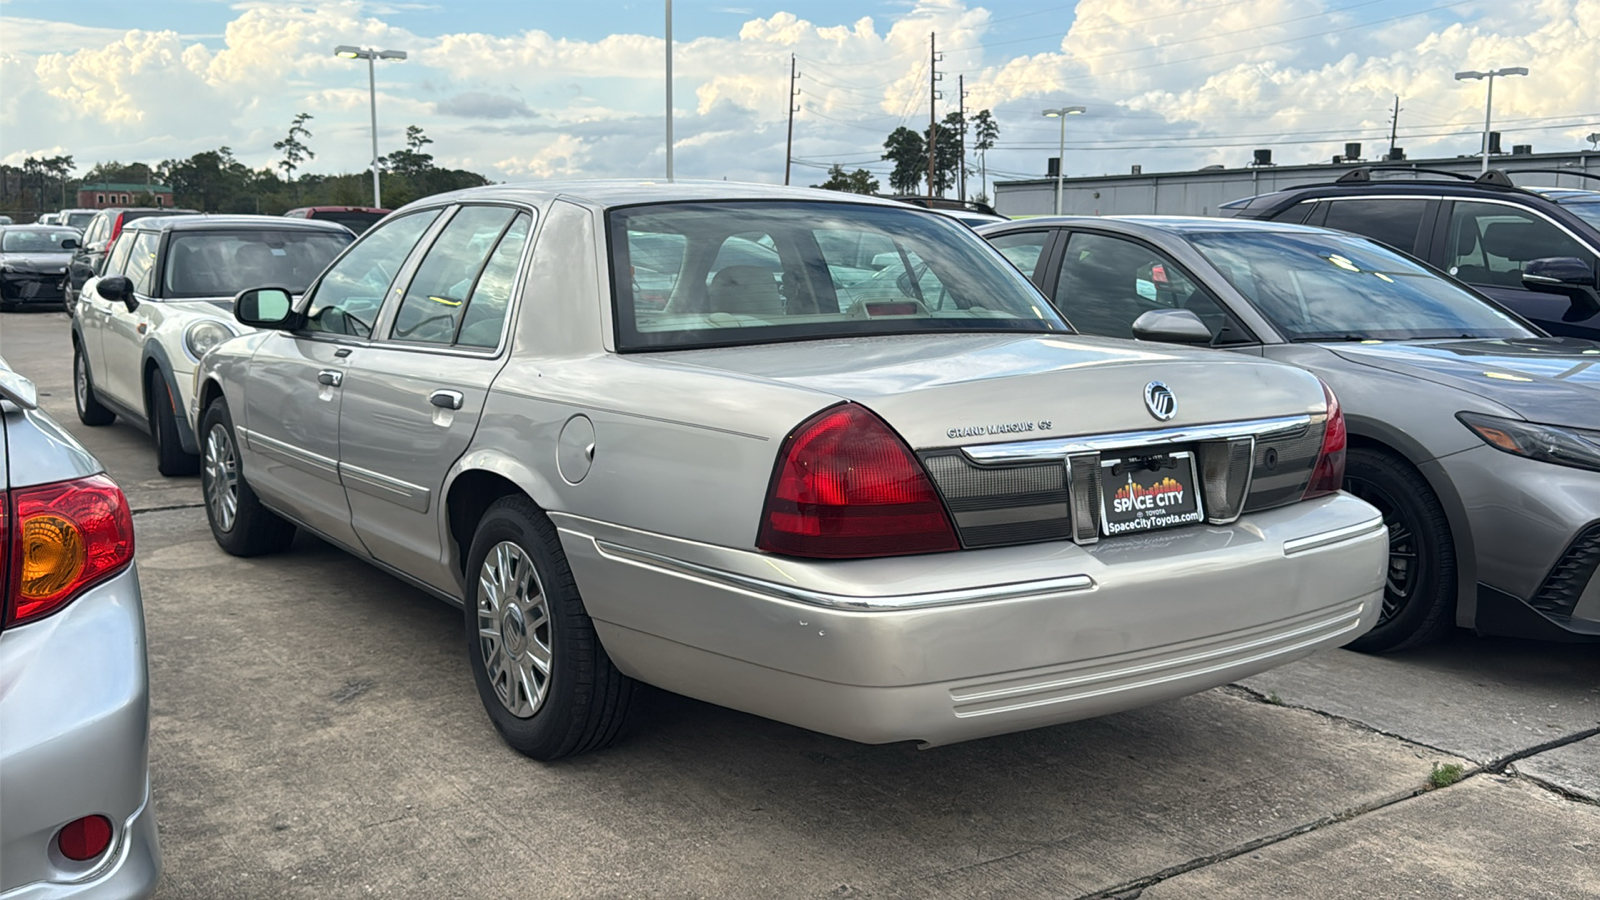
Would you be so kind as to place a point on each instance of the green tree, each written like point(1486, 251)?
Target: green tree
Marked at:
point(908, 151)
point(294, 150)
point(858, 182)
point(946, 151)
point(213, 181)
point(985, 129)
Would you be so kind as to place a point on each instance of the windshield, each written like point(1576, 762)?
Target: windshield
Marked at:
point(35, 241)
point(1587, 210)
point(223, 263)
point(701, 274)
point(1316, 287)
point(79, 219)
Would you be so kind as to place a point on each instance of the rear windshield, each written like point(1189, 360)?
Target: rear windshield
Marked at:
point(223, 263)
point(78, 219)
point(708, 273)
point(1333, 287)
point(35, 241)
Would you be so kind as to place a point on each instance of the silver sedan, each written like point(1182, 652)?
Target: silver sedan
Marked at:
point(78, 821)
point(1475, 434)
point(826, 460)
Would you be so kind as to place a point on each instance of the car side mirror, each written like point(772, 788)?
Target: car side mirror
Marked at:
point(117, 289)
point(1562, 275)
point(1171, 326)
point(264, 308)
point(70, 244)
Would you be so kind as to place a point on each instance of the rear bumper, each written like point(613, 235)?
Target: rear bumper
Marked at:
point(74, 697)
point(949, 647)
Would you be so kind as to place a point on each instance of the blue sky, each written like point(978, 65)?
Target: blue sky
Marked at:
point(540, 90)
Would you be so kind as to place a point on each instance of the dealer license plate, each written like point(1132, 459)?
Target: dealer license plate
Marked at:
point(1145, 493)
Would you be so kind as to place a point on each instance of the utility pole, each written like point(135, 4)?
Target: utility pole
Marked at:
point(1394, 126)
point(788, 150)
point(933, 96)
point(961, 170)
point(669, 90)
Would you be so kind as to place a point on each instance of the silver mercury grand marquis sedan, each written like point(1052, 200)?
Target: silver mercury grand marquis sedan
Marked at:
point(739, 443)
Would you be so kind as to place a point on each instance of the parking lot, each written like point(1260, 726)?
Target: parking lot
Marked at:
point(315, 732)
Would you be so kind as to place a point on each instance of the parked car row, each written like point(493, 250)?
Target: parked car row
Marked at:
point(840, 462)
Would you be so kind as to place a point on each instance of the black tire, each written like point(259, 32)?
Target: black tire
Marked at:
point(90, 412)
point(584, 700)
point(171, 458)
point(253, 530)
point(1419, 597)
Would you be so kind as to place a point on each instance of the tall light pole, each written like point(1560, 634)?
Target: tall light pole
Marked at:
point(669, 90)
point(1488, 105)
point(1061, 152)
point(345, 51)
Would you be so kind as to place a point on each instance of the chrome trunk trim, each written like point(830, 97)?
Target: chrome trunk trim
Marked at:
point(1060, 448)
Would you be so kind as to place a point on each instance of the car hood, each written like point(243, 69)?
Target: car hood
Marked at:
point(36, 261)
point(943, 390)
point(1547, 379)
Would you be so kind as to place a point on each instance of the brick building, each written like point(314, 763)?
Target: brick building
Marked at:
point(104, 194)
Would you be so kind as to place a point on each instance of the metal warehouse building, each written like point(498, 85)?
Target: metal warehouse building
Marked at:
point(1199, 193)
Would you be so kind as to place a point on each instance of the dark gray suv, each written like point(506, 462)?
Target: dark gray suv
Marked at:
point(1534, 249)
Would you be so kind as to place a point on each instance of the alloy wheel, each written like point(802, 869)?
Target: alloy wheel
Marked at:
point(1404, 571)
point(80, 382)
point(514, 633)
point(221, 477)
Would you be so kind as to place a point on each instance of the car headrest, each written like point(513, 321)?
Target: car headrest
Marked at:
point(1519, 241)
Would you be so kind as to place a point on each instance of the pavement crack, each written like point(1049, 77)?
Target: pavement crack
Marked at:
point(1255, 696)
point(1130, 888)
point(1499, 766)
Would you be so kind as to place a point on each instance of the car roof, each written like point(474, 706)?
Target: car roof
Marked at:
point(618, 192)
point(365, 209)
point(205, 222)
point(35, 226)
point(1167, 224)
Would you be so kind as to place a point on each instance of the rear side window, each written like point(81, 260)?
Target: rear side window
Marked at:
point(1391, 221)
point(1023, 249)
point(348, 298)
point(433, 305)
point(491, 297)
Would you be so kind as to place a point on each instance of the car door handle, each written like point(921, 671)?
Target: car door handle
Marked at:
point(446, 399)
point(330, 377)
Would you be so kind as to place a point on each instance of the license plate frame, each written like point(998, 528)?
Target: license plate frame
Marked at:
point(1151, 518)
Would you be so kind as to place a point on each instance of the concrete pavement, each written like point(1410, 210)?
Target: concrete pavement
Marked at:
point(315, 732)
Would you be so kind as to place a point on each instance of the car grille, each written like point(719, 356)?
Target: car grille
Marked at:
point(1564, 586)
point(1049, 490)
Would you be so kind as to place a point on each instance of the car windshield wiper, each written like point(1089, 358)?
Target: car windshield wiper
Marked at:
point(1329, 338)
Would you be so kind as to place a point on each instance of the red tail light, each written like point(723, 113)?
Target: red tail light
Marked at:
point(846, 487)
point(116, 229)
point(1328, 476)
point(61, 539)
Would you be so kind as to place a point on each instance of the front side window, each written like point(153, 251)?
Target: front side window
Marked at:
point(142, 261)
point(117, 261)
point(348, 298)
point(1490, 242)
point(221, 264)
point(704, 273)
point(1587, 210)
point(1106, 283)
point(1389, 220)
point(1330, 287)
point(431, 310)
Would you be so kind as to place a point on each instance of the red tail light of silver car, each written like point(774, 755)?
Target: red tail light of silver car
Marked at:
point(59, 539)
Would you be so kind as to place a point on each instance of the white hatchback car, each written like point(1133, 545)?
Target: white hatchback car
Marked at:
point(164, 300)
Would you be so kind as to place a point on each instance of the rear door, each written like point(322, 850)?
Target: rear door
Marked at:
point(1488, 242)
point(295, 387)
point(412, 400)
